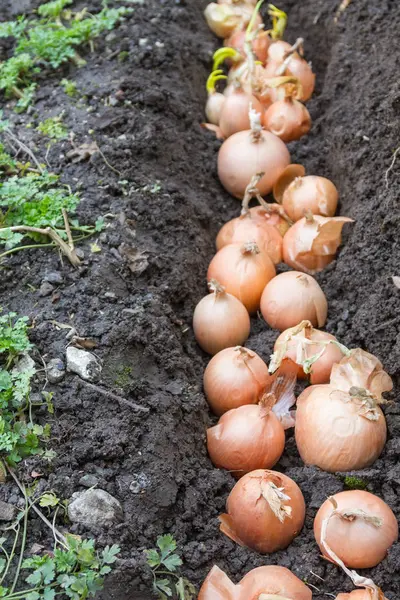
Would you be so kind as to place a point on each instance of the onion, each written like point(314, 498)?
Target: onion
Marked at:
point(292, 297)
point(284, 60)
point(311, 244)
point(220, 320)
point(339, 431)
point(234, 377)
point(358, 595)
point(311, 193)
point(265, 511)
point(223, 19)
point(246, 153)
point(235, 112)
point(268, 582)
point(315, 352)
point(244, 271)
point(246, 438)
point(288, 119)
point(259, 45)
point(215, 100)
point(361, 369)
point(357, 527)
point(287, 176)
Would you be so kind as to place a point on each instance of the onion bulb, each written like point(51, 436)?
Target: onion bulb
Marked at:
point(265, 511)
point(365, 594)
point(268, 582)
point(312, 194)
point(223, 19)
point(244, 271)
point(215, 100)
point(234, 115)
point(285, 179)
point(289, 119)
point(313, 351)
point(339, 431)
point(252, 437)
point(284, 60)
point(356, 527)
point(234, 377)
point(246, 438)
point(292, 297)
point(259, 45)
point(220, 320)
point(363, 370)
point(246, 153)
point(311, 244)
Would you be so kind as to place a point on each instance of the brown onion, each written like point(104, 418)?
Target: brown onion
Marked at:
point(309, 348)
point(361, 369)
point(358, 527)
point(246, 438)
point(312, 194)
point(289, 119)
point(292, 297)
point(246, 153)
point(311, 244)
point(358, 595)
point(254, 225)
point(234, 377)
point(234, 115)
point(339, 431)
point(220, 320)
point(265, 511)
point(259, 45)
point(285, 179)
point(244, 270)
point(282, 60)
point(268, 582)
point(223, 19)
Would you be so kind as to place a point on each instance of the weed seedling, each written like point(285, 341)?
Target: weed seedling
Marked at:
point(53, 128)
point(164, 563)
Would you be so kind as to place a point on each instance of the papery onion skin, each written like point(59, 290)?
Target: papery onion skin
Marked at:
point(220, 321)
point(214, 106)
point(268, 579)
point(254, 226)
point(251, 522)
point(360, 545)
point(310, 193)
point(243, 274)
point(292, 297)
point(332, 434)
point(240, 158)
point(246, 439)
point(223, 19)
point(311, 244)
point(285, 179)
point(288, 119)
point(321, 369)
point(234, 377)
point(234, 115)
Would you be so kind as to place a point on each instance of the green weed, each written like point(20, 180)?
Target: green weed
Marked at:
point(164, 563)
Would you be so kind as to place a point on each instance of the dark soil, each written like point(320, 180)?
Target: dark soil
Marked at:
point(136, 297)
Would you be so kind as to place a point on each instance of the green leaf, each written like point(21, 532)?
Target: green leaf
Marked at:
point(153, 558)
point(35, 578)
point(163, 586)
point(49, 499)
point(32, 596)
point(167, 544)
point(109, 554)
point(172, 562)
point(180, 588)
point(49, 594)
point(3, 563)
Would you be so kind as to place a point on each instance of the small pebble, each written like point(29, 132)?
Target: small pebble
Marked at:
point(88, 480)
point(45, 289)
point(55, 370)
point(54, 277)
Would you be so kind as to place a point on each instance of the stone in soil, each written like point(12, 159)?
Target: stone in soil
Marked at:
point(83, 363)
point(95, 509)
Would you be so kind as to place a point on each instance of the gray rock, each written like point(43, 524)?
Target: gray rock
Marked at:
point(83, 363)
point(24, 364)
point(88, 480)
point(54, 277)
point(55, 370)
point(45, 289)
point(7, 511)
point(95, 508)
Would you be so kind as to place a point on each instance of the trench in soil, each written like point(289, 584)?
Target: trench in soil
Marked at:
point(136, 296)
